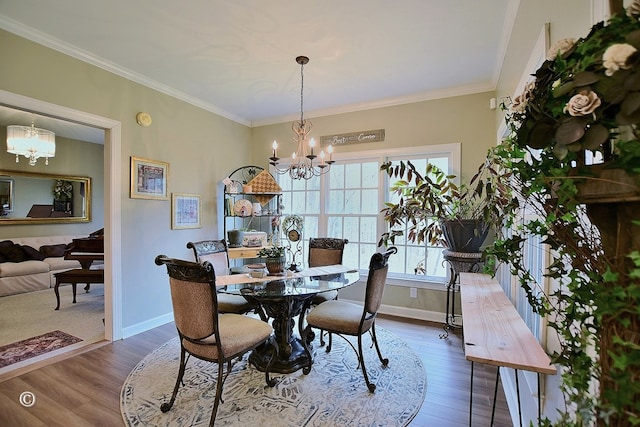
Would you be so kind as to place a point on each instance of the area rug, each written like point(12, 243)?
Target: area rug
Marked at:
point(32, 347)
point(333, 394)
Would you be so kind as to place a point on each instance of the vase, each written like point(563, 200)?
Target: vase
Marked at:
point(235, 238)
point(464, 235)
point(275, 265)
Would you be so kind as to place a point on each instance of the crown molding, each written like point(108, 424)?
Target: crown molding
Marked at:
point(39, 37)
point(388, 102)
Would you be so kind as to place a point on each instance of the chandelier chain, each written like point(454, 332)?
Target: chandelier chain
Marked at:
point(302, 92)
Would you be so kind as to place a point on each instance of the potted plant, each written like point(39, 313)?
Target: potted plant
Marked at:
point(584, 99)
point(438, 211)
point(274, 259)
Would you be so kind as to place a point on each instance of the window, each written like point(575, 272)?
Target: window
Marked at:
point(346, 203)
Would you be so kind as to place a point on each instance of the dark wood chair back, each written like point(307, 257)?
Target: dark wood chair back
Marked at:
point(326, 251)
point(214, 251)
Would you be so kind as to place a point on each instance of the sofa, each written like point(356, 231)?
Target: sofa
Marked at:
point(29, 263)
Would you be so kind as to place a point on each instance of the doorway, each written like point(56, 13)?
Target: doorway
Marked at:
point(112, 203)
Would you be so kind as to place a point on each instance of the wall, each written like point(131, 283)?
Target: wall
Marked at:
point(201, 147)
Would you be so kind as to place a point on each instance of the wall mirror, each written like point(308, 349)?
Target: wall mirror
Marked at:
point(27, 198)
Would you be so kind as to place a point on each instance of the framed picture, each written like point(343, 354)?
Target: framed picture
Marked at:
point(149, 179)
point(185, 211)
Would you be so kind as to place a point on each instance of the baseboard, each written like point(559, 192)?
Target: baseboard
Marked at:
point(409, 313)
point(147, 325)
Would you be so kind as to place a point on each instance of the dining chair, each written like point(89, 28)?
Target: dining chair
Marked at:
point(323, 251)
point(204, 332)
point(215, 252)
point(347, 318)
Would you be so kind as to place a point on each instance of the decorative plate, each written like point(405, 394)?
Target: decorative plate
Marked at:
point(242, 207)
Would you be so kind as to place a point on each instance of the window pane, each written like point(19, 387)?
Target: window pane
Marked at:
point(336, 176)
point(370, 202)
point(334, 228)
point(352, 201)
point(313, 202)
point(310, 227)
point(366, 251)
point(352, 175)
point(368, 232)
point(350, 256)
point(370, 173)
point(336, 202)
point(441, 162)
point(351, 229)
point(298, 202)
point(435, 263)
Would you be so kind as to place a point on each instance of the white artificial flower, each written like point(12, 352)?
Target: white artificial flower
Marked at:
point(583, 104)
point(615, 57)
point(559, 48)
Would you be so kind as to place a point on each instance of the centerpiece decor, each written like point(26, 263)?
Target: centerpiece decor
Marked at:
point(584, 104)
point(274, 259)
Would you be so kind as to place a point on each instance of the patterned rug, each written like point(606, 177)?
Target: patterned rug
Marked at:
point(333, 394)
point(32, 347)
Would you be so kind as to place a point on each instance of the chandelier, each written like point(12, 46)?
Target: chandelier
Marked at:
point(302, 164)
point(31, 142)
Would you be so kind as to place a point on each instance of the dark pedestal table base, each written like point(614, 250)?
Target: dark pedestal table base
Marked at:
point(290, 353)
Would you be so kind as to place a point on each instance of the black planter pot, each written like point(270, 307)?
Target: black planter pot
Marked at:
point(465, 235)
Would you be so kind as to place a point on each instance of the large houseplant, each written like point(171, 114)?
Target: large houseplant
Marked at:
point(585, 98)
point(436, 210)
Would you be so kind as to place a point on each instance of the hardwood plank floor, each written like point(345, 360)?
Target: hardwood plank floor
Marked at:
point(84, 390)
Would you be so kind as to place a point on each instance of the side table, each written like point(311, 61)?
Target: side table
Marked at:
point(75, 276)
point(459, 262)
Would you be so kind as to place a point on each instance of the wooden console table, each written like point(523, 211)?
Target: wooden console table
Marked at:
point(495, 334)
point(75, 276)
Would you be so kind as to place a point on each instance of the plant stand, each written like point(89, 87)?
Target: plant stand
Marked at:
point(459, 262)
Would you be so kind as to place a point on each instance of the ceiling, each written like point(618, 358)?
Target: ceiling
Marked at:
point(237, 58)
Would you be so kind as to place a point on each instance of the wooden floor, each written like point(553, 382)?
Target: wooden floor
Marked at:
point(84, 390)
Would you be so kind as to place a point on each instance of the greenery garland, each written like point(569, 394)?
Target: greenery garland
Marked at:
point(586, 96)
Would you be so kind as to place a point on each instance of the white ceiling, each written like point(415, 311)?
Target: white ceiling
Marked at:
point(237, 58)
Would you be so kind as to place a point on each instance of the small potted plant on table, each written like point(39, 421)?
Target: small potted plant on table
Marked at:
point(274, 259)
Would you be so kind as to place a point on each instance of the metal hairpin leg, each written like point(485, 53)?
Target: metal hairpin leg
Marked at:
point(471, 394)
point(495, 396)
point(518, 393)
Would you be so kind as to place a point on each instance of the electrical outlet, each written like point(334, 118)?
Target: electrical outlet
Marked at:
point(413, 292)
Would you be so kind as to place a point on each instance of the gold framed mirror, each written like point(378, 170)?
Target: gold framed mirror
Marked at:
point(29, 198)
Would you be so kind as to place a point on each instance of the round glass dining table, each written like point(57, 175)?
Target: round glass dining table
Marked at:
point(284, 298)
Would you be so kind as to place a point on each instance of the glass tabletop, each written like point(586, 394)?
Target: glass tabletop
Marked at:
point(295, 285)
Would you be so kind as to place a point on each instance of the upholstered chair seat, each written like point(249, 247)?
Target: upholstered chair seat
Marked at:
point(237, 332)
